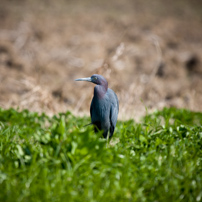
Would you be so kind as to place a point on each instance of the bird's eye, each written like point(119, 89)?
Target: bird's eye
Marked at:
point(95, 78)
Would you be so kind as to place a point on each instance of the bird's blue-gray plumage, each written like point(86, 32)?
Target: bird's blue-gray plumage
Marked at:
point(104, 106)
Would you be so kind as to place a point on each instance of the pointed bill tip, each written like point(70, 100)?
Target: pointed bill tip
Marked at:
point(84, 79)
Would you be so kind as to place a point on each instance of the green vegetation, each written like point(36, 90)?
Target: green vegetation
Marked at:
point(57, 159)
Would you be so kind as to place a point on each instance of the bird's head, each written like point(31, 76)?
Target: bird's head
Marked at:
point(96, 79)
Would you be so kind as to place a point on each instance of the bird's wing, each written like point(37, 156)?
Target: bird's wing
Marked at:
point(114, 110)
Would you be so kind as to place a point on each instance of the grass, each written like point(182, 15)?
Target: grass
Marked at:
point(57, 159)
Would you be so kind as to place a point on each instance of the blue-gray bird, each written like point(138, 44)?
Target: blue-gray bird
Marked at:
point(104, 106)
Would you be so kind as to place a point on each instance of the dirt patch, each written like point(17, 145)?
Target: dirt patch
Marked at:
point(150, 53)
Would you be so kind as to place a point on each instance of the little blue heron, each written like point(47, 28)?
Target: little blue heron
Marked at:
point(104, 106)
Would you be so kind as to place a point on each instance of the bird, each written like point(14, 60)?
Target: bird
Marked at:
point(104, 107)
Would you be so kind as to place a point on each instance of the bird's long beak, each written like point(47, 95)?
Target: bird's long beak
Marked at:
point(84, 79)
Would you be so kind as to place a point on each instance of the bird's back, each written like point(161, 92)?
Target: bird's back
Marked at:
point(114, 110)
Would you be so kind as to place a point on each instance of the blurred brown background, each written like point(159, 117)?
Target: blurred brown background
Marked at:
point(149, 51)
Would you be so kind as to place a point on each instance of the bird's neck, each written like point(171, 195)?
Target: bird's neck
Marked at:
point(100, 90)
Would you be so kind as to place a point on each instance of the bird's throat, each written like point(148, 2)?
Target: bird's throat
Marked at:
point(100, 91)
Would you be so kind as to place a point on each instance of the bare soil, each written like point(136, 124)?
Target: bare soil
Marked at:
point(149, 51)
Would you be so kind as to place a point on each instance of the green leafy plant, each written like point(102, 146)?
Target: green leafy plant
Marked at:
point(57, 159)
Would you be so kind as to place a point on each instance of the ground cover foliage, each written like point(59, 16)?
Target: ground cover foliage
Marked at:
point(57, 159)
